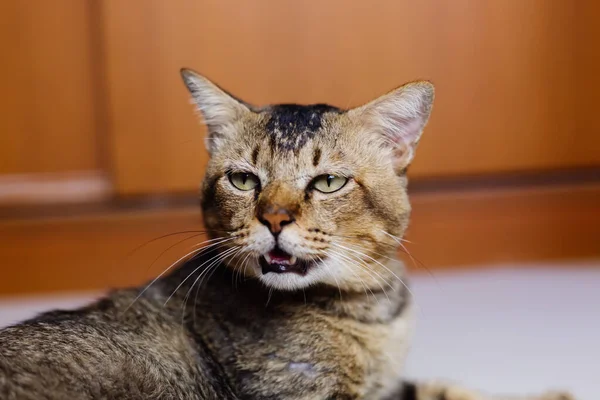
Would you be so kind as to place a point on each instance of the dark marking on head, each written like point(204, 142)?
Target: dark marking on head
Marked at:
point(292, 125)
point(307, 195)
point(207, 200)
point(272, 145)
point(255, 155)
point(316, 157)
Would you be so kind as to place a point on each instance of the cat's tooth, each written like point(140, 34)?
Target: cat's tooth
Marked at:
point(293, 260)
point(268, 258)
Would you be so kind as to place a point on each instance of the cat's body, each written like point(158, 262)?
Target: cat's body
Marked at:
point(297, 293)
point(234, 340)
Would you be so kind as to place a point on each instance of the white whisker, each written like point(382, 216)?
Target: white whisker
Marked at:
point(269, 297)
point(225, 255)
point(414, 261)
point(332, 275)
point(175, 263)
point(179, 242)
point(362, 282)
point(366, 265)
point(245, 264)
point(374, 260)
point(191, 273)
point(370, 272)
point(396, 238)
point(214, 260)
point(217, 260)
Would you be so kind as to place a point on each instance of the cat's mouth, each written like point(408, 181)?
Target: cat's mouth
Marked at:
point(280, 262)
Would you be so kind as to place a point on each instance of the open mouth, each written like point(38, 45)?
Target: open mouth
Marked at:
point(279, 262)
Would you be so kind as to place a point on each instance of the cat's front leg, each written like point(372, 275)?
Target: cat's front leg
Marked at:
point(443, 391)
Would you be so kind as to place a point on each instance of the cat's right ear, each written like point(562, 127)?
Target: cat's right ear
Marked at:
point(218, 108)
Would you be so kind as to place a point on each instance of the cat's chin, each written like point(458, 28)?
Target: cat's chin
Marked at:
point(288, 281)
point(284, 271)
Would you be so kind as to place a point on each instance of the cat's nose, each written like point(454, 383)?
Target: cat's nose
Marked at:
point(275, 218)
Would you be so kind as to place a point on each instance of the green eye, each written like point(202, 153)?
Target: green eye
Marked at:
point(329, 183)
point(243, 180)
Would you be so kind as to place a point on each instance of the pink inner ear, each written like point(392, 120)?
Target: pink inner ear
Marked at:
point(405, 132)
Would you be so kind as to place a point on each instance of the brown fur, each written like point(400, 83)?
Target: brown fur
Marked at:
point(219, 327)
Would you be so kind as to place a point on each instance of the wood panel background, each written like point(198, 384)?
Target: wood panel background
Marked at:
point(588, 77)
point(92, 101)
point(506, 74)
point(449, 229)
point(48, 105)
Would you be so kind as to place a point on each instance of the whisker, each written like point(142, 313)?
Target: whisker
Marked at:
point(401, 281)
point(193, 272)
point(417, 262)
point(217, 260)
point(374, 260)
point(332, 275)
point(225, 256)
point(198, 289)
point(190, 275)
point(269, 297)
point(179, 242)
point(213, 261)
point(413, 259)
point(245, 265)
point(362, 282)
point(238, 268)
point(396, 238)
point(159, 238)
point(171, 266)
point(369, 271)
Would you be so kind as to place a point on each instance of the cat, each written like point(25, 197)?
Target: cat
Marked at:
point(296, 294)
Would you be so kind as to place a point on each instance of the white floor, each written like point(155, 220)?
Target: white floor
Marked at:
point(511, 329)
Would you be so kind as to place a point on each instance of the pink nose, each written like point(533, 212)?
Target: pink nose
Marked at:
point(275, 218)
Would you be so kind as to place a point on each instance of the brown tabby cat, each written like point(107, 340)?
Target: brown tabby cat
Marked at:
point(297, 294)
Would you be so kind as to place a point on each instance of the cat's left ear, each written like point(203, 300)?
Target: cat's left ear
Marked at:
point(399, 118)
point(219, 109)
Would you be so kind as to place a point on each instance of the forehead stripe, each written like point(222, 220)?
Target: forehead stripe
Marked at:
point(316, 156)
point(291, 126)
point(255, 155)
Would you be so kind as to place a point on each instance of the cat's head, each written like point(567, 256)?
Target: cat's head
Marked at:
point(298, 195)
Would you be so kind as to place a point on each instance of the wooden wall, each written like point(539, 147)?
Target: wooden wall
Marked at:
point(588, 64)
point(450, 229)
point(504, 72)
point(47, 77)
point(52, 147)
point(95, 120)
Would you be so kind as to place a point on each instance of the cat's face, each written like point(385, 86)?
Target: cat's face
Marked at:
point(299, 195)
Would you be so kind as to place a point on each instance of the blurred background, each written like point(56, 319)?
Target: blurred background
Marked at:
point(101, 152)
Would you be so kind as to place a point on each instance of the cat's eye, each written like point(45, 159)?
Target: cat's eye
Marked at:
point(329, 183)
point(243, 180)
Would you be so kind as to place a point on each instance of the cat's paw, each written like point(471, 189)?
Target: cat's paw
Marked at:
point(460, 393)
point(448, 392)
point(556, 396)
